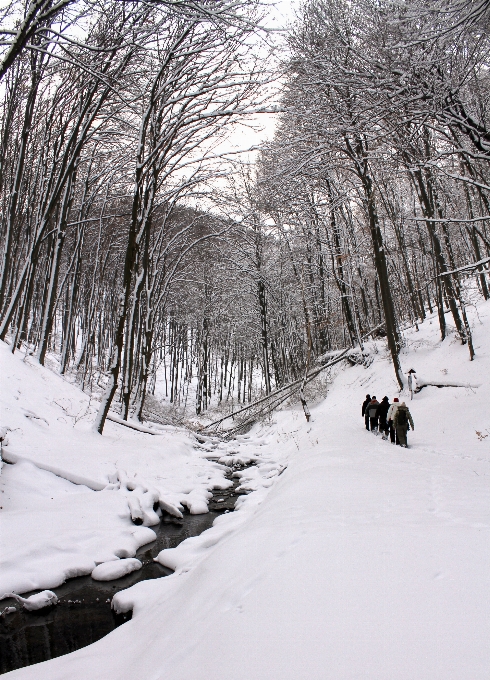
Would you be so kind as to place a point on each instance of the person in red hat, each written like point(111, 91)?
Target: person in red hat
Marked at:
point(391, 417)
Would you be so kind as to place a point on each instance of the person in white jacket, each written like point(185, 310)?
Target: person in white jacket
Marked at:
point(391, 417)
point(412, 382)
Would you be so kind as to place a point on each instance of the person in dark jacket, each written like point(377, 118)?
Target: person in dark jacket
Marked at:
point(382, 417)
point(401, 422)
point(364, 412)
point(372, 410)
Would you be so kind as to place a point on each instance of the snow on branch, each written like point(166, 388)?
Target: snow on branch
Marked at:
point(467, 267)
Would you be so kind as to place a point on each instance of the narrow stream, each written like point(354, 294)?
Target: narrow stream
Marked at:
point(83, 614)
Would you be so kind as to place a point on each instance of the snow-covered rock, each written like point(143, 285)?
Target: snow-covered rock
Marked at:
point(109, 571)
point(38, 601)
point(7, 611)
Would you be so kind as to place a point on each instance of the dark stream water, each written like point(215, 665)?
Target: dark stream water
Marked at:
point(83, 614)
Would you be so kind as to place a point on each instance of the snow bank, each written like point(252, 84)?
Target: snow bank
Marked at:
point(188, 553)
point(72, 498)
point(49, 424)
point(55, 530)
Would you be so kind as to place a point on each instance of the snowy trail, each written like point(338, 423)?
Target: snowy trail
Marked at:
point(364, 561)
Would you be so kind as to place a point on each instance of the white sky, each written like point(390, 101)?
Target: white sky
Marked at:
point(262, 126)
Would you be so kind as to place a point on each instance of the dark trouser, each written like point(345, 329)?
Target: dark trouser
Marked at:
point(383, 426)
point(366, 420)
point(392, 433)
point(374, 423)
point(401, 434)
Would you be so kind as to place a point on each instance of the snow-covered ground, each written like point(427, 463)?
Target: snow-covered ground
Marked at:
point(361, 560)
point(66, 505)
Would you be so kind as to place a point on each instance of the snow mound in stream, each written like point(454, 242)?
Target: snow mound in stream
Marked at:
point(38, 601)
point(109, 571)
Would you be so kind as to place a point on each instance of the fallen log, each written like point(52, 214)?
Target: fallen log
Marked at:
point(131, 424)
point(442, 383)
point(277, 397)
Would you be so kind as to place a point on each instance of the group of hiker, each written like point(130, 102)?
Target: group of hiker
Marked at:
point(393, 419)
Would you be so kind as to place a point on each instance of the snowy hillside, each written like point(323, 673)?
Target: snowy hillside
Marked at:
point(362, 560)
point(67, 503)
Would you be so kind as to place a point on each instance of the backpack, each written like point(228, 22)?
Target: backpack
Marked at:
point(401, 419)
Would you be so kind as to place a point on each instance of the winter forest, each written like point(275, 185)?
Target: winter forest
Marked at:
point(209, 210)
point(135, 239)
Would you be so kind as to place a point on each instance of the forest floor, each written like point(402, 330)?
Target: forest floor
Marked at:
point(349, 558)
